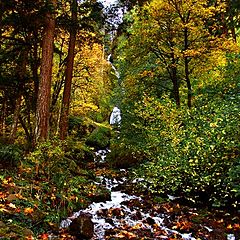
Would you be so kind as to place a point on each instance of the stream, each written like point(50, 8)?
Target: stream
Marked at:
point(129, 216)
point(124, 214)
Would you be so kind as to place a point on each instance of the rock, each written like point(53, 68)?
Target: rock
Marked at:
point(150, 221)
point(2, 224)
point(11, 197)
point(117, 212)
point(27, 232)
point(102, 195)
point(82, 227)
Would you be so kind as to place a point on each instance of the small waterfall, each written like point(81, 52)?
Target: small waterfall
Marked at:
point(109, 58)
point(115, 117)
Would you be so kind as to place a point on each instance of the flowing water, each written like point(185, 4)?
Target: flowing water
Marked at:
point(122, 212)
point(128, 214)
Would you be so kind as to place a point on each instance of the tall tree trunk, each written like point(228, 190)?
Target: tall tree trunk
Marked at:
point(1, 17)
point(186, 69)
point(35, 66)
point(22, 68)
point(44, 92)
point(13, 132)
point(189, 86)
point(174, 79)
point(4, 114)
point(175, 87)
point(68, 75)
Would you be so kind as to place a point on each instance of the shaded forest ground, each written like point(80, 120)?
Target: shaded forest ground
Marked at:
point(32, 205)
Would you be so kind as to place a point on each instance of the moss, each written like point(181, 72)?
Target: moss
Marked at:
point(99, 138)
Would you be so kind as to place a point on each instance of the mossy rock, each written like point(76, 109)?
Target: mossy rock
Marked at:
point(99, 138)
point(101, 195)
point(79, 126)
point(13, 231)
point(123, 157)
point(80, 153)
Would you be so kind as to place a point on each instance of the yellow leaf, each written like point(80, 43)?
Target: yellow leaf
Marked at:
point(28, 210)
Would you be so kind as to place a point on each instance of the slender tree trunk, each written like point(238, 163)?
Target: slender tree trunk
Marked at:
point(29, 135)
point(1, 17)
point(44, 92)
point(4, 114)
point(175, 87)
point(35, 66)
point(174, 79)
point(186, 69)
point(22, 68)
point(189, 87)
point(13, 132)
point(68, 77)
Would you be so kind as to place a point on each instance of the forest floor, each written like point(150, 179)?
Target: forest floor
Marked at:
point(32, 209)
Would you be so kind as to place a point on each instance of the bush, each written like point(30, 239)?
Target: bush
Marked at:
point(10, 156)
point(192, 153)
point(99, 138)
point(79, 152)
point(79, 127)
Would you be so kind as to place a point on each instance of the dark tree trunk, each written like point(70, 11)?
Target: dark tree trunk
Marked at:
point(1, 17)
point(22, 68)
point(29, 135)
point(175, 86)
point(174, 79)
point(35, 67)
point(189, 87)
point(186, 69)
point(3, 115)
point(44, 91)
point(13, 132)
point(63, 125)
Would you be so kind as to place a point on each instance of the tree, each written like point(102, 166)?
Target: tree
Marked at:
point(20, 24)
point(69, 73)
point(44, 92)
point(175, 40)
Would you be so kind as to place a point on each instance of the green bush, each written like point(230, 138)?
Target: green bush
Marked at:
point(10, 155)
point(99, 138)
point(78, 152)
point(48, 158)
point(79, 127)
point(192, 153)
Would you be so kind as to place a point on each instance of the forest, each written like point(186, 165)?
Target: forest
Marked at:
point(129, 108)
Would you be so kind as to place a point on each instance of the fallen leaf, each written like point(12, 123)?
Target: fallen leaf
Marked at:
point(11, 205)
point(28, 210)
point(44, 236)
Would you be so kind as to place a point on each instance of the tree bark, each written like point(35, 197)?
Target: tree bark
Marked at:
point(44, 92)
point(1, 17)
point(63, 124)
point(4, 114)
point(13, 132)
point(174, 78)
point(186, 69)
point(22, 68)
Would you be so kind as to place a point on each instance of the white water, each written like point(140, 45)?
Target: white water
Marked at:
point(102, 212)
point(115, 117)
point(127, 216)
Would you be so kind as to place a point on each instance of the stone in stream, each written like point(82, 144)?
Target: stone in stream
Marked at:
point(82, 227)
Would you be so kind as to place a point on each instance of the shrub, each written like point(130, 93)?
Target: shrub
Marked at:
point(189, 152)
point(10, 156)
point(99, 138)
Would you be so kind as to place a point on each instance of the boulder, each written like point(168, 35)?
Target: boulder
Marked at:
point(82, 227)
